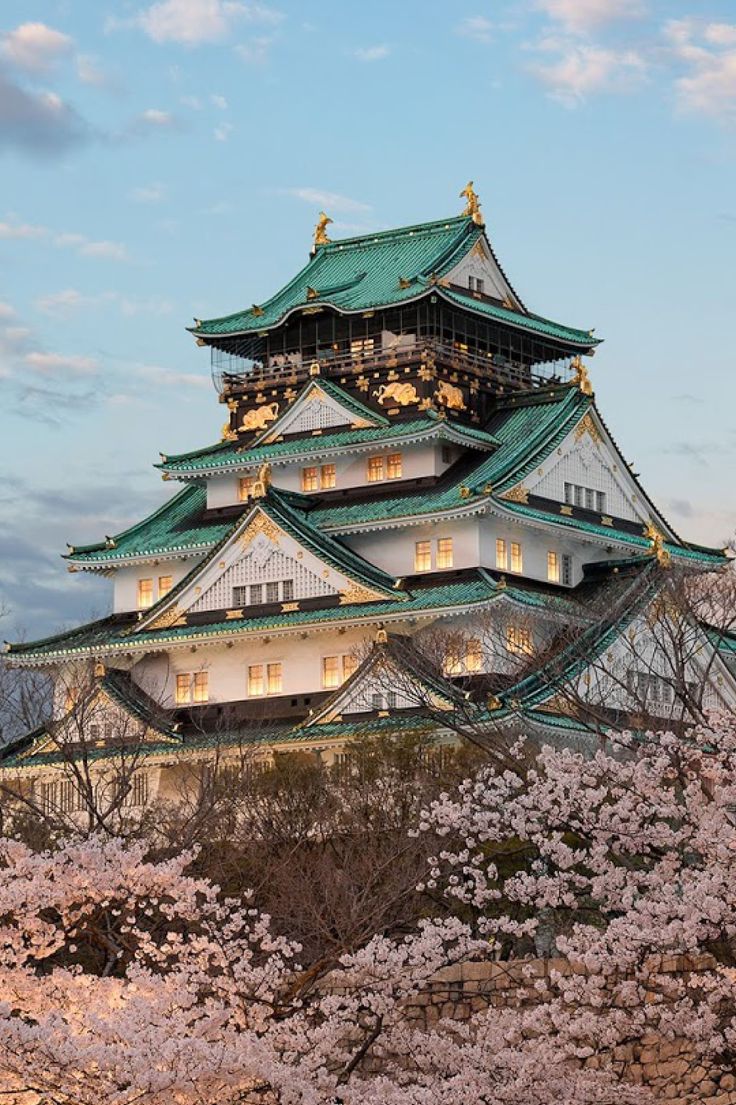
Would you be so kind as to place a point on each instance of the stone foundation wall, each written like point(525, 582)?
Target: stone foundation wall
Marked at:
point(671, 1069)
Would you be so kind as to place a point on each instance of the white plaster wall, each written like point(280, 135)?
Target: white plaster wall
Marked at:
point(536, 543)
point(393, 550)
point(418, 461)
point(125, 586)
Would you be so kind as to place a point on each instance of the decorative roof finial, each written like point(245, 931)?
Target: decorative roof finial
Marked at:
point(581, 378)
point(262, 482)
point(320, 231)
point(472, 207)
point(656, 546)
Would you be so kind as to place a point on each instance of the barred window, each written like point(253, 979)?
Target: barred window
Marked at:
point(310, 479)
point(519, 640)
point(145, 593)
point(328, 476)
point(375, 469)
point(502, 556)
point(394, 466)
point(517, 562)
point(423, 556)
point(165, 583)
point(183, 689)
point(201, 686)
point(444, 552)
point(553, 567)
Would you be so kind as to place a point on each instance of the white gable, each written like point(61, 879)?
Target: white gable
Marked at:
point(480, 264)
point(315, 410)
point(587, 460)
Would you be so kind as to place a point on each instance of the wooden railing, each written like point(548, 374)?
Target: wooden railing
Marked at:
point(285, 369)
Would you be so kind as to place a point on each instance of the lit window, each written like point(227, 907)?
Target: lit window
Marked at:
point(444, 552)
point(310, 479)
point(256, 685)
point(502, 556)
point(423, 556)
point(245, 488)
point(553, 567)
point(519, 640)
point(273, 678)
point(201, 686)
point(145, 593)
point(393, 466)
point(183, 689)
point(517, 564)
point(361, 347)
point(330, 672)
point(329, 476)
point(165, 583)
point(375, 469)
point(349, 666)
point(473, 655)
point(71, 697)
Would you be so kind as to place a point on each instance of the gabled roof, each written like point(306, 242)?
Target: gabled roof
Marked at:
point(321, 387)
point(226, 457)
point(381, 269)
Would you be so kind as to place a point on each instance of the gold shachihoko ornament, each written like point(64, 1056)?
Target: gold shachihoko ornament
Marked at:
point(320, 231)
point(472, 206)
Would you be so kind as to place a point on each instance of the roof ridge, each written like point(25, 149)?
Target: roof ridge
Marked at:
point(396, 232)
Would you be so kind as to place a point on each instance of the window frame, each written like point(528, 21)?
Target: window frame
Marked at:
point(419, 557)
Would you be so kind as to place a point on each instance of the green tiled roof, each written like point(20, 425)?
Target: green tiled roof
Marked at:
point(381, 269)
point(225, 456)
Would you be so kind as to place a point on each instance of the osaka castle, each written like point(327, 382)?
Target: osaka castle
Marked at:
point(415, 513)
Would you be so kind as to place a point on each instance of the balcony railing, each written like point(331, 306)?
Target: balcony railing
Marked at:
point(232, 374)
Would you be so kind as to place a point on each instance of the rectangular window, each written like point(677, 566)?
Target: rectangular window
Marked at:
point(256, 594)
point(377, 700)
point(579, 496)
point(245, 488)
point(94, 732)
point(423, 556)
point(444, 552)
point(569, 494)
point(393, 466)
point(502, 556)
point(589, 499)
point(375, 469)
point(328, 476)
point(517, 563)
point(586, 497)
point(361, 347)
point(273, 678)
point(310, 479)
point(567, 570)
point(330, 672)
point(165, 583)
point(287, 590)
point(68, 796)
point(600, 502)
point(183, 689)
point(256, 685)
point(145, 593)
point(519, 640)
point(349, 665)
point(240, 596)
point(272, 592)
point(201, 686)
point(473, 655)
point(553, 567)
point(137, 794)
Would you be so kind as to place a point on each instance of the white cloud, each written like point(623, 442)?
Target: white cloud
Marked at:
point(708, 54)
point(583, 70)
point(222, 131)
point(582, 16)
point(70, 299)
point(159, 375)
point(155, 117)
point(329, 201)
point(476, 27)
point(6, 311)
point(193, 22)
point(218, 101)
point(61, 362)
point(35, 47)
point(151, 193)
point(372, 53)
point(84, 246)
point(62, 302)
point(192, 102)
point(255, 51)
point(90, 72)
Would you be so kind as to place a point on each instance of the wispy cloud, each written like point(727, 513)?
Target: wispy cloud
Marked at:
point(707, 52)
point(222, 131)
point(90, 71)
point(35, 47)
point(476, 27)
point(372, 53)
point(197, 22)
point(149, 193)
point(256, 50)
point(580, 70)
point(61, 362)
point(330, 201)
point(38, 123)
point(584, 16)
point(84, 246)
point(69, 300)
point(167, 377)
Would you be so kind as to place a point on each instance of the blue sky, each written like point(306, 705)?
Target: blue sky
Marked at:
point(164, 161)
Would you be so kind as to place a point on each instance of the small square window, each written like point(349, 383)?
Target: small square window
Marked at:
point(256, 684)
point(423, 556)
point(444, 552)
point(273, 678)
point(329, 476)
point(375, 469)
point(145, 593)
point(183, 689)
point(245, 488)
point(567, 570)
point(240, 596)
point(310, 479)
point(502, 556)
point(393, 466)
point(256, 594)
point(201, 686)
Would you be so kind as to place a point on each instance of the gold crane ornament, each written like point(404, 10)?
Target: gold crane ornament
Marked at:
point(472, 206)
point(320, 231)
